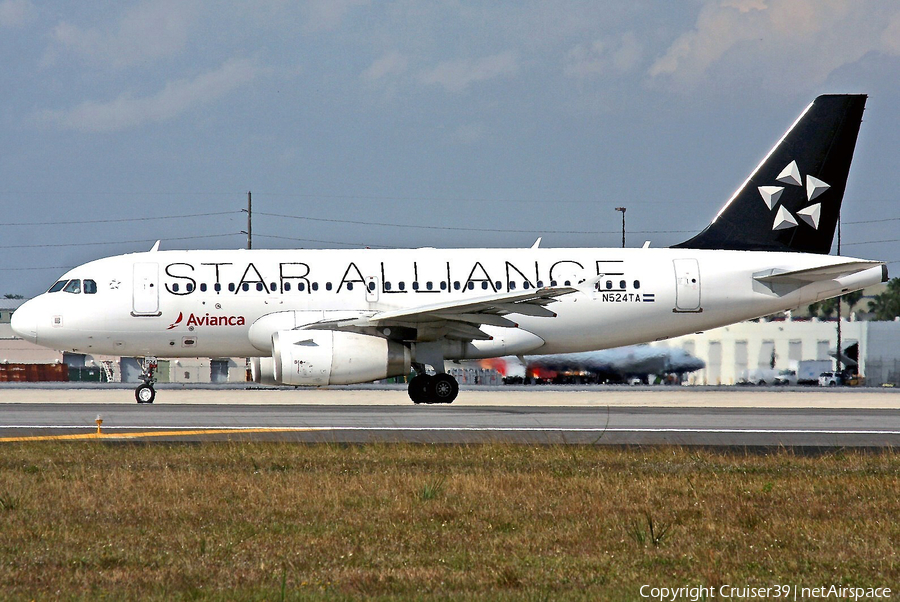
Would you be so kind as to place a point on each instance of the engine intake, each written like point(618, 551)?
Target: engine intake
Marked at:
point(327, 357)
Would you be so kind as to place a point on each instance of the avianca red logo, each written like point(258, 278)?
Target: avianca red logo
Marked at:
point(207, 320)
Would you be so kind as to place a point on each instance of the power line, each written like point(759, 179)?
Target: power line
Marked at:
point(323, 242)
point(59, 267)
point(461, 229)
point(121, 242)
point(121, 220)
point(873, 221)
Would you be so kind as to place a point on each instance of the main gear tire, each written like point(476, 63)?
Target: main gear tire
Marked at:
point(418, 388)
point(442, 388)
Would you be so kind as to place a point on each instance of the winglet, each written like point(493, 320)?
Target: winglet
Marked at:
point(537, 243)
point(155, 247)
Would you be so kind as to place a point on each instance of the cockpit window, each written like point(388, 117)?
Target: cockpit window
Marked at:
point(57, 287)
point(74, 286)
point(90, 287)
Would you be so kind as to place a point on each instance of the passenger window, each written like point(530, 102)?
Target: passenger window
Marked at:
point(73, 287)
point(540, 284)
point(470, 286)
point(637, 284)
point(301, 286)
point(622, 284)
point(372, 286)
point(553, 283)
point(245, 286)
point(512, 286)
point(273, 287)
point(217, 287)
point(402, 286)
point(315, 286)
point(429, 285)
point(349, 286)
point(202, 287)
point(327, 286)
point(259, 287)
point(498, 285)
point(415, 285)
point(484, 285)
point(456, 285)
point(526, 285)
point(57, 287)
point(231, 287)
point(287, 286)
point(387, 286)
point(443, 285)
point(90, 287)
point(175, 288)
point(189, 287)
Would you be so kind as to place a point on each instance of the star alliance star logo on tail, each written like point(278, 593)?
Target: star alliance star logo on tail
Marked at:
point(784, 219)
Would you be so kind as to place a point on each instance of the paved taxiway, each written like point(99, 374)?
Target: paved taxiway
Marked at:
point(605, 415)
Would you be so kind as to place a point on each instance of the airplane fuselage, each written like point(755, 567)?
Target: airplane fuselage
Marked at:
point(206, 303)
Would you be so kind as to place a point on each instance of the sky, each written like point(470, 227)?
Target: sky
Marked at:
point(405, 124)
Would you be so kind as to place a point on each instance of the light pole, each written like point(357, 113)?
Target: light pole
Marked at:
point(622, 209)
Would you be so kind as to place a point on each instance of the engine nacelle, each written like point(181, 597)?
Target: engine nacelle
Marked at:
point(327, 357)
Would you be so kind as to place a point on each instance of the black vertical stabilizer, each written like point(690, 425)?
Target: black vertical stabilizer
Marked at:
point(792, 200)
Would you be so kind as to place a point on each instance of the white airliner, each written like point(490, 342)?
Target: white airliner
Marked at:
point(320, 317)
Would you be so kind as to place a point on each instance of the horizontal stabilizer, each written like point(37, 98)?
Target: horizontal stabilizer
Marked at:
point(828, 272)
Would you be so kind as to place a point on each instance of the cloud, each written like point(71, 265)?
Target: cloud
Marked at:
point(778, 43)
point(327, 15)
point(468, 134)
point(174, 99)
point(619, 54)
point(149, 31)
point(391, 64)
point(456, 76)
point(15, 13)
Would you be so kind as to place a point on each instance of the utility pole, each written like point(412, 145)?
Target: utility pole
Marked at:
point(622, 209)
point(839, 350)
point(249, 212)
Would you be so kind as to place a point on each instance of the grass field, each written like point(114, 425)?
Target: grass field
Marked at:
point(255, 521)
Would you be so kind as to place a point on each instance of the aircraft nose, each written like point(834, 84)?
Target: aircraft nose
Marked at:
point(24, 321)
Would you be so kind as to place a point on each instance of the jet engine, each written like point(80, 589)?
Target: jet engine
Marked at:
point(262, 370)
point(327, 357)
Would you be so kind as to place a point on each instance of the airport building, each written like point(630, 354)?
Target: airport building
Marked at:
point(733, 352)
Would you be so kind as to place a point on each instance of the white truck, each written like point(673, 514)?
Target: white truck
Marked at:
point(808, 371)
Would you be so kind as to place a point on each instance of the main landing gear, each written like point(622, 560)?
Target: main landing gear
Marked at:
point(145, 393)
point(437, 388)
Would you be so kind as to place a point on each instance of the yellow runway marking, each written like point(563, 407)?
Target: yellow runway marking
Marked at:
point(140, 435)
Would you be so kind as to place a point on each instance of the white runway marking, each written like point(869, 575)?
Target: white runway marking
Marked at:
point(512, 429)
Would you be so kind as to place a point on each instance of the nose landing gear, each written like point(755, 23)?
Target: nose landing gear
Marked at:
point(145, 393)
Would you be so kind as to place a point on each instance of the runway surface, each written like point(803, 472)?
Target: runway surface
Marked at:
point(861, 418)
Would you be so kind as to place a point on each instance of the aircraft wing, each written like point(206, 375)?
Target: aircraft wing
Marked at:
point(458, 319)
point(828, 272)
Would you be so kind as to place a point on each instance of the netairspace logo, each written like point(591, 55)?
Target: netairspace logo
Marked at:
point(775, 592)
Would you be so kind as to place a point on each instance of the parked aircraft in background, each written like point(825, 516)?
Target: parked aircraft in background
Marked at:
point(320, 317)
point(618, 365)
